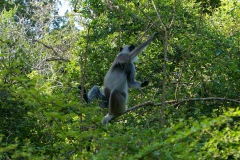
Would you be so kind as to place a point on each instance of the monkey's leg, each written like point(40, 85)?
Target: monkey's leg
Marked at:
point(117, 102)
point(95, 93)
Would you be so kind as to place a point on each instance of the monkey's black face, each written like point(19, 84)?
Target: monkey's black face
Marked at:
point(130, 48)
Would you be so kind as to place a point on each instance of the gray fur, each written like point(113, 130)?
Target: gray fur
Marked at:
point(119, 78)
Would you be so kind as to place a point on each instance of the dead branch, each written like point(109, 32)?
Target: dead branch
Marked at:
point(159, 16)
point(50, 59)
point(47, 46)
point(57, 59)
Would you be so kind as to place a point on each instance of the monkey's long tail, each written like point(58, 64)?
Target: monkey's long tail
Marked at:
point(106, 119)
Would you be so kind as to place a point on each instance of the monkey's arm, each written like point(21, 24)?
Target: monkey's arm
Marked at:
point(122, 58)
point(140, 48)
point(126, 58)
point(132, 83)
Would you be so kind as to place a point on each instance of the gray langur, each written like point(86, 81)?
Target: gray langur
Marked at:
point(119, 78)
point(96, 93)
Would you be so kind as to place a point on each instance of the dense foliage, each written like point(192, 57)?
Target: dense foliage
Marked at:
point(190, 110)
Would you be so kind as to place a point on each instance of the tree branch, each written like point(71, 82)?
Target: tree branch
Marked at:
point(177, 102)
point(155, 24)
point(51, 59)
point(47, 46)
point(57, 59)
point(159, 16)
point(208, 99)
point(165, 68)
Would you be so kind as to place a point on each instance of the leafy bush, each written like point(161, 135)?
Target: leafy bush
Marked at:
point(193, 68)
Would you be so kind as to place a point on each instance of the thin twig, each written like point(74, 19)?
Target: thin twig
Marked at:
point(159, 16)
point(148, 17)
point(174, 15)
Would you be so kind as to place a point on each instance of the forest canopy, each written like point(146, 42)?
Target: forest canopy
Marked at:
point(189, 110)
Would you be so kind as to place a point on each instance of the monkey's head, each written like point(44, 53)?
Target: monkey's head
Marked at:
point(127, 49)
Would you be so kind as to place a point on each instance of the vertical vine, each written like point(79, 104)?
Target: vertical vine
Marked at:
point(83, 61)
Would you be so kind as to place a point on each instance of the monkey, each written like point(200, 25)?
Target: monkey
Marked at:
point(96, 93)
point(119, 78)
